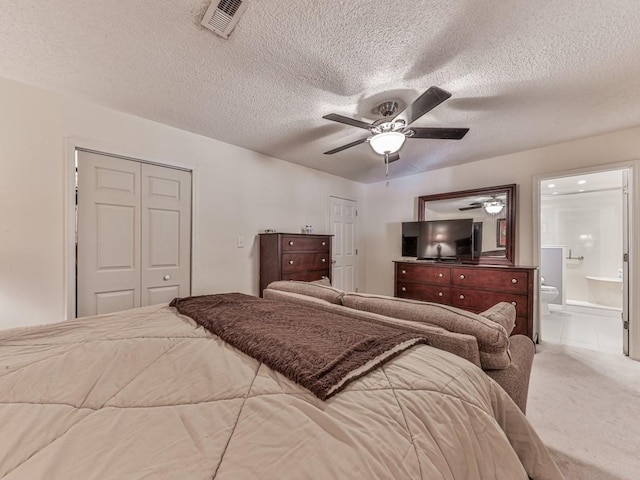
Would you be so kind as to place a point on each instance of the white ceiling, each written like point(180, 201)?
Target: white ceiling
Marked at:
point(583, 183)
point(522, 73)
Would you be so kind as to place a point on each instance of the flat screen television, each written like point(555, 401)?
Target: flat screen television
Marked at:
point(410, 235)
point(442, 240)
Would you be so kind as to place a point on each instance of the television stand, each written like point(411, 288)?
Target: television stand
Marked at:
point(472, 287)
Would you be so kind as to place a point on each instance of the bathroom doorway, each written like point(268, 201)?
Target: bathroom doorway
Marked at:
point(584, 232)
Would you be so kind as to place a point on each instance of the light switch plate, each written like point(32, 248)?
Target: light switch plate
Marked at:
point(240, 242)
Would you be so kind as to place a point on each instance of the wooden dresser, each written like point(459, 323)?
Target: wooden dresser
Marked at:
point(294, 256)
point(472, 287)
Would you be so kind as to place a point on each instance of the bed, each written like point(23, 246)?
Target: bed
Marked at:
point(151, 394)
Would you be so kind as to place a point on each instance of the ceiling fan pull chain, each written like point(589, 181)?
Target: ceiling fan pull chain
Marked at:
point(386, 163)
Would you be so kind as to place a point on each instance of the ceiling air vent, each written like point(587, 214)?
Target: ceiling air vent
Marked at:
point(223, 15)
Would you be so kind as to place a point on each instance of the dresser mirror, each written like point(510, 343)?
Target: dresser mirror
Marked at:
point(493, 210)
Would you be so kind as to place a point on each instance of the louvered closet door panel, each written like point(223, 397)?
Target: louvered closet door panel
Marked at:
point(166, 234)
point(108, 234)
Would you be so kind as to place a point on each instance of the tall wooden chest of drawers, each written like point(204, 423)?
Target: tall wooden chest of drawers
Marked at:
point(294, 256)
point(472, 287)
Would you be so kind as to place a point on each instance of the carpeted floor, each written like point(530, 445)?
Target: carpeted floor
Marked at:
point(585, 405)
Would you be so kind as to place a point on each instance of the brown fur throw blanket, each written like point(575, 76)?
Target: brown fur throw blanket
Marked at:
point(321, 351)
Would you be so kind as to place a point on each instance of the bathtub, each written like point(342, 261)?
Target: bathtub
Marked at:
point(605, 291)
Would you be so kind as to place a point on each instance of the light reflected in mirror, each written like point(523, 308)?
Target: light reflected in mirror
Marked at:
point(492, 210)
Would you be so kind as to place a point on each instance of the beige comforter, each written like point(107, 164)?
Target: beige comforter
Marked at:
point(146, 394)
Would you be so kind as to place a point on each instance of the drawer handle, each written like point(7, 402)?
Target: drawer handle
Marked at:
point(514, 303)
point(514, 280)
point(324, 243)
point(404, 289)
point(461, 297)
point(439, 294)
point(441, 275)
point(291, 242)
point(404, 272)
point(166, 277)
point(324, 260)
point(462, 276)
point(290, 262)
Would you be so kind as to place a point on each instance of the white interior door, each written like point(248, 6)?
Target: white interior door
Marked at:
point(133, 234)
point(343, 219)
point(166, 234)
point(625, 262)
point(108, 255)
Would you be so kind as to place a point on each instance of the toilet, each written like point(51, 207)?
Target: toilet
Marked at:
point(547, 294)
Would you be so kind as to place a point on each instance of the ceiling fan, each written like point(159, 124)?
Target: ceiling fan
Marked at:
point(492, 205)
point(389, 133)
point(472, 206)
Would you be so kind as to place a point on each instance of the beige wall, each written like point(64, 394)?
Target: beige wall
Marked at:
point(238, 192)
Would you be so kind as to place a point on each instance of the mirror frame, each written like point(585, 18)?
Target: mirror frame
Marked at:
point(510, 215)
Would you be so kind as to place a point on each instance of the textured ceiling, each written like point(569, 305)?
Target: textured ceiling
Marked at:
point(522, 73)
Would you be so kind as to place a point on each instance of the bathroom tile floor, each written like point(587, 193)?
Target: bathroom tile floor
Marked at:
point(601, 333)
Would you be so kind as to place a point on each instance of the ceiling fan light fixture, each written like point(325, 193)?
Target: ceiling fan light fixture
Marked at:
point(493, 207)
point(387, 142)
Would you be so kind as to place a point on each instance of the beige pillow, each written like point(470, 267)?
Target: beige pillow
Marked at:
point(311, 289)
point(502, 313)
point(492, 338)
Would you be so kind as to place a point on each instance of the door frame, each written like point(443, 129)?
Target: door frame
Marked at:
point(356, 277)
point(71, 146)
point(633, 277)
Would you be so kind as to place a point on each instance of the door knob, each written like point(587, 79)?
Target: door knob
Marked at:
point(166, 277)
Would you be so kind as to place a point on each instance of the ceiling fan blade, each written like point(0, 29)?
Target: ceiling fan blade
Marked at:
point(348, 145)
point(349, 121)
point(429, 100)
point(462, 209)
point(444, 133)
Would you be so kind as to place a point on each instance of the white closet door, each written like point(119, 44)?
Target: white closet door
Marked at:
point(134, 234)
point(166, 234)
point(108, 262)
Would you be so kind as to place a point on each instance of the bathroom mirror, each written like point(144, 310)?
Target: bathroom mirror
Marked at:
point(493, 210)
